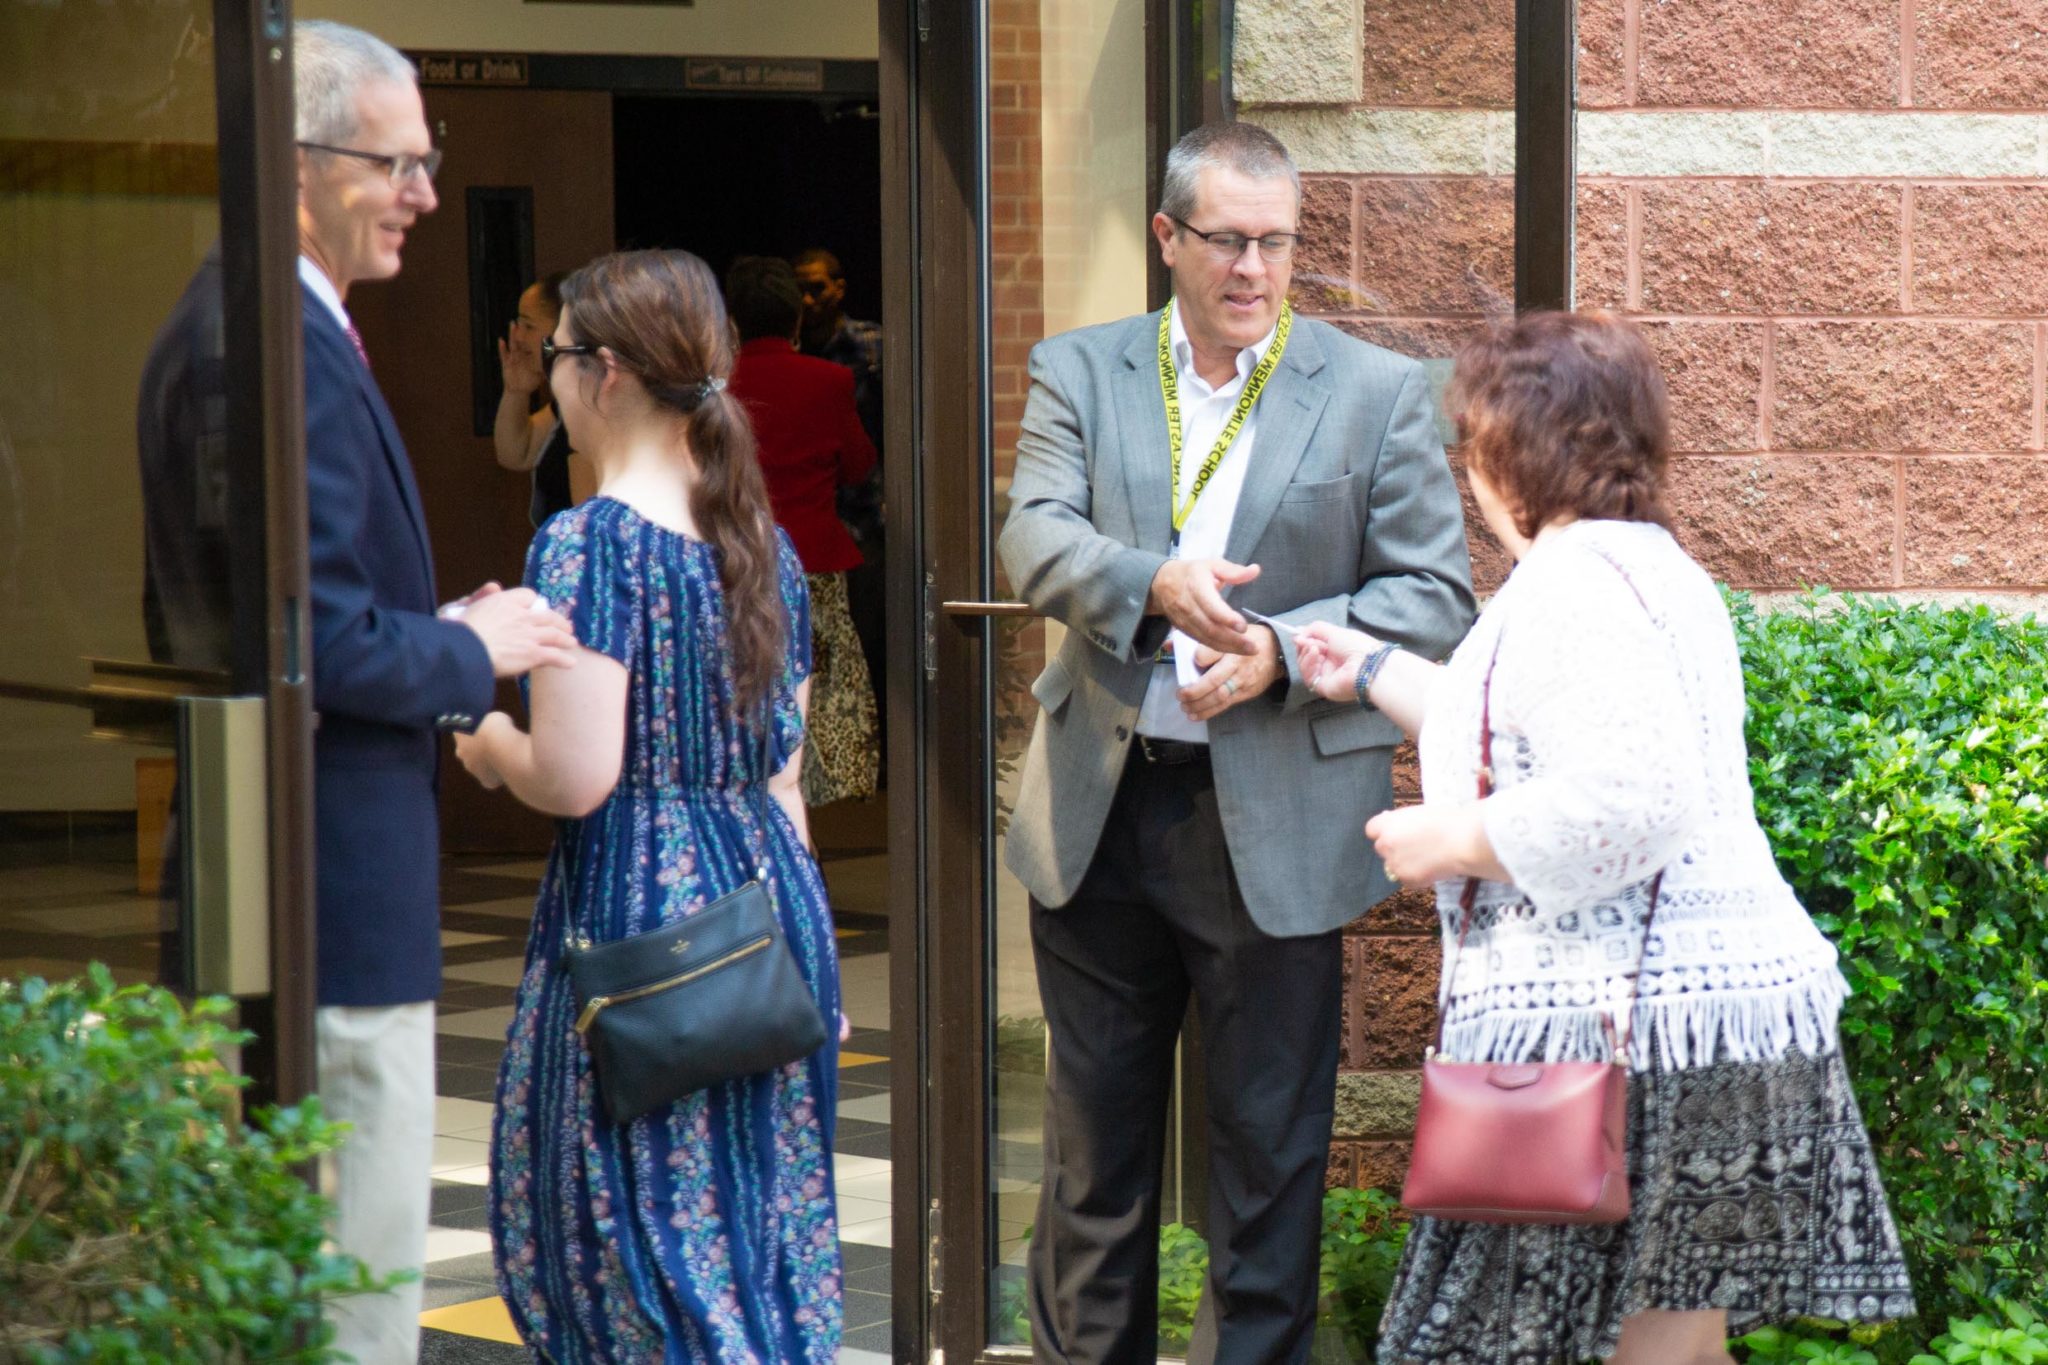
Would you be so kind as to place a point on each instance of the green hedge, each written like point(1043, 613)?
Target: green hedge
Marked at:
point(1900, 760)
point(140, 1221)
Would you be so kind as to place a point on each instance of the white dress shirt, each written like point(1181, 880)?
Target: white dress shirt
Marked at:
point(323, 289)
point(1203, 412)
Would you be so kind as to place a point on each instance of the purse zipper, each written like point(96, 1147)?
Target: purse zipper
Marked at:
point(598, 1003)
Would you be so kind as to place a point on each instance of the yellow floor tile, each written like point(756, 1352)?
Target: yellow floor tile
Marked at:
point(848, 933)
point(484, 1318)
point(847, 1059)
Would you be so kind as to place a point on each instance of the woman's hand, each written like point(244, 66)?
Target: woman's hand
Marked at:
point(1331, 657)
point(518, 367)
point(1424, 844)
point(475, 750)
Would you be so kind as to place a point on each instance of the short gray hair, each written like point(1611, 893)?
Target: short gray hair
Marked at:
point(1245, 148)
point(330, 63)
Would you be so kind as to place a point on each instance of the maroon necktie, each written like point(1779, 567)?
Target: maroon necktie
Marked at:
point(356, 338)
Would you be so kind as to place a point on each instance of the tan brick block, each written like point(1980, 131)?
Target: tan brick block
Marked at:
point(1600, 264)
point(1381, 1165)
point(1296, 52)
point(1437, 246)
point(1903, 386)
point(1715, 374)
point(1787, 53)
point(1980, 249)
point(1390, 1001)
point(1975, 521)
point(1980, 54)
point(1324, 275)
point(1603, 56)
point(1744, 246)
point(1780, 521)
point(1376, 1103)
point(1457, 54)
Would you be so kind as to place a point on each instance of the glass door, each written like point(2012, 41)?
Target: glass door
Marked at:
point(1033, 133)
point(155, 722)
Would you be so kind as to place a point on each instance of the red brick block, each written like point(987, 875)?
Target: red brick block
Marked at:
point(1456, 54)
point(1715, 372)
point(1421, 338)
point(1411, 911)
point(1784, 54)
point(1600, 262)
point(1380, 1164)
point(1437, 246)
point(1980, 54)
point(1980, 249)
point(1780, 521)
point(1975, 521)
point(1323, 265)
point(1745, 246)
point(1390, 1001)
point(1603, 56)
point(1338, 1174)
point(1490, 559)
point(1899, 386)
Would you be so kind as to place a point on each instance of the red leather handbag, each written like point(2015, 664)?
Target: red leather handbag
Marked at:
point(1527, 1142)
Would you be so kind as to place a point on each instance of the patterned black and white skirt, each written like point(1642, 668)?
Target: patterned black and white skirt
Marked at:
point(842, 751)
point(1754, 1190)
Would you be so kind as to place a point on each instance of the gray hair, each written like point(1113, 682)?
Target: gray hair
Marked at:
point(1245, 148)
point(330, 63)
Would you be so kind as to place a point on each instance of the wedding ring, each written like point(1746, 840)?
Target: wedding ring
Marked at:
point(1230, 686)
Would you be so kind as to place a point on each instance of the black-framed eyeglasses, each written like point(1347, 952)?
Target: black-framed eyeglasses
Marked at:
point(1228, 246)
point(549, 351)
point(398, 166)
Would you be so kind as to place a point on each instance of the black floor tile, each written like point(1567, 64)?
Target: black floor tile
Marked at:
point(451, 1199)
point(446, 1348)
point(484, 1052)
point(874, 1145)
point(859, 1256)
point(457, 996)
point(866, 1310)
point(466, 1082)
point(874, 1337)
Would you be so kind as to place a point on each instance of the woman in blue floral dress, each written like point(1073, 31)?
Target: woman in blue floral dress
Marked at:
point(705, 1232)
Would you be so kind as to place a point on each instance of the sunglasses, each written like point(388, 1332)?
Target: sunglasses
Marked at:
point(548, 352)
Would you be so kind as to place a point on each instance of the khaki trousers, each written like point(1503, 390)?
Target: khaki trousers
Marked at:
point(377, 1074)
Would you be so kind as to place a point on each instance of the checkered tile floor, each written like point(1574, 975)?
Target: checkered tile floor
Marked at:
point(69, 895)
point(487, 904)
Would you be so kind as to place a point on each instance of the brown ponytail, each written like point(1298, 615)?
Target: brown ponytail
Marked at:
point(660, 314)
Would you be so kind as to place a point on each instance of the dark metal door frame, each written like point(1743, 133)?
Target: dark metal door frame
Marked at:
point(940, 576)
point(267, 488)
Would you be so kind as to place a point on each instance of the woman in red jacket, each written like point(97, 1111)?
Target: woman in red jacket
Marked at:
point(811, 444)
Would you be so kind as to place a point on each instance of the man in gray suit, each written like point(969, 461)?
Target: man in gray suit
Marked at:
point(1189, 487)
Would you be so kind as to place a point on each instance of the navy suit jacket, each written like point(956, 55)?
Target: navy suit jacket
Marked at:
point(387, 676)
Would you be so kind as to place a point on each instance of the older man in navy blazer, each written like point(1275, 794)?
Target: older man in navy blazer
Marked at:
point(389, 673)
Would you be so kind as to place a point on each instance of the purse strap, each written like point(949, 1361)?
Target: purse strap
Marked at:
point(765, 751)
point(1619, 1037)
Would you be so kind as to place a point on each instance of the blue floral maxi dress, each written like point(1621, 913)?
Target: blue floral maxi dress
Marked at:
point(705, 1232)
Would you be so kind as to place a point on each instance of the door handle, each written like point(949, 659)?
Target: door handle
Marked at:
point(972, 609)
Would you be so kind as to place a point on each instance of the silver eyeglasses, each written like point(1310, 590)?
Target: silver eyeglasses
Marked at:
point(1228, 246)
point(399, 166)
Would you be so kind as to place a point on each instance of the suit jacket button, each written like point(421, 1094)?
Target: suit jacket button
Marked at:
point(1122, 734)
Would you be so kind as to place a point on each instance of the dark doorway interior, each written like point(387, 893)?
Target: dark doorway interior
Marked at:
point(753, 177)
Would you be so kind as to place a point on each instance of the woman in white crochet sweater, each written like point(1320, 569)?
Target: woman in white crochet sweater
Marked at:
point(1617, 714)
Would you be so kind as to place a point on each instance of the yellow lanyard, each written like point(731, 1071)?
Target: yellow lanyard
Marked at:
point(1169, 389)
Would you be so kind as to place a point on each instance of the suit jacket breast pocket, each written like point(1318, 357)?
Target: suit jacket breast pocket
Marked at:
point(1320, 490)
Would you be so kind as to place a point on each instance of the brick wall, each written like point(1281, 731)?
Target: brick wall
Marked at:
point(1830, 215)
point(1838, 238)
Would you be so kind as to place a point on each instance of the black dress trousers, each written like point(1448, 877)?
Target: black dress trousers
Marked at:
point(1158, 915)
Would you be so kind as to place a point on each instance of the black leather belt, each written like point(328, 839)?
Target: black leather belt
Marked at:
point(1171, 753)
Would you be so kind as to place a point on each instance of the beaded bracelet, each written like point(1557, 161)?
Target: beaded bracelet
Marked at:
point(1370, 669)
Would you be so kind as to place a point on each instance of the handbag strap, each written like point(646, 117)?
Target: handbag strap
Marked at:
point(1620, 1036)
point(764, 750)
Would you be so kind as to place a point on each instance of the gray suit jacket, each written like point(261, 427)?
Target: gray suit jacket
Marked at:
point(1350, 512)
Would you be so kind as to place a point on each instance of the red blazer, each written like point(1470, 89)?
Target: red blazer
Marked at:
point(811, 442)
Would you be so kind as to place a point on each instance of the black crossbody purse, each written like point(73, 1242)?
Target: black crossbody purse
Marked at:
point(704, 1000)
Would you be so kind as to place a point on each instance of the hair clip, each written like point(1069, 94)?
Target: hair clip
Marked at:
point(716, 385)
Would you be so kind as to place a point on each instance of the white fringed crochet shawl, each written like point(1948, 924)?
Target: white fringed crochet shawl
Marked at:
point(1617, 751)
